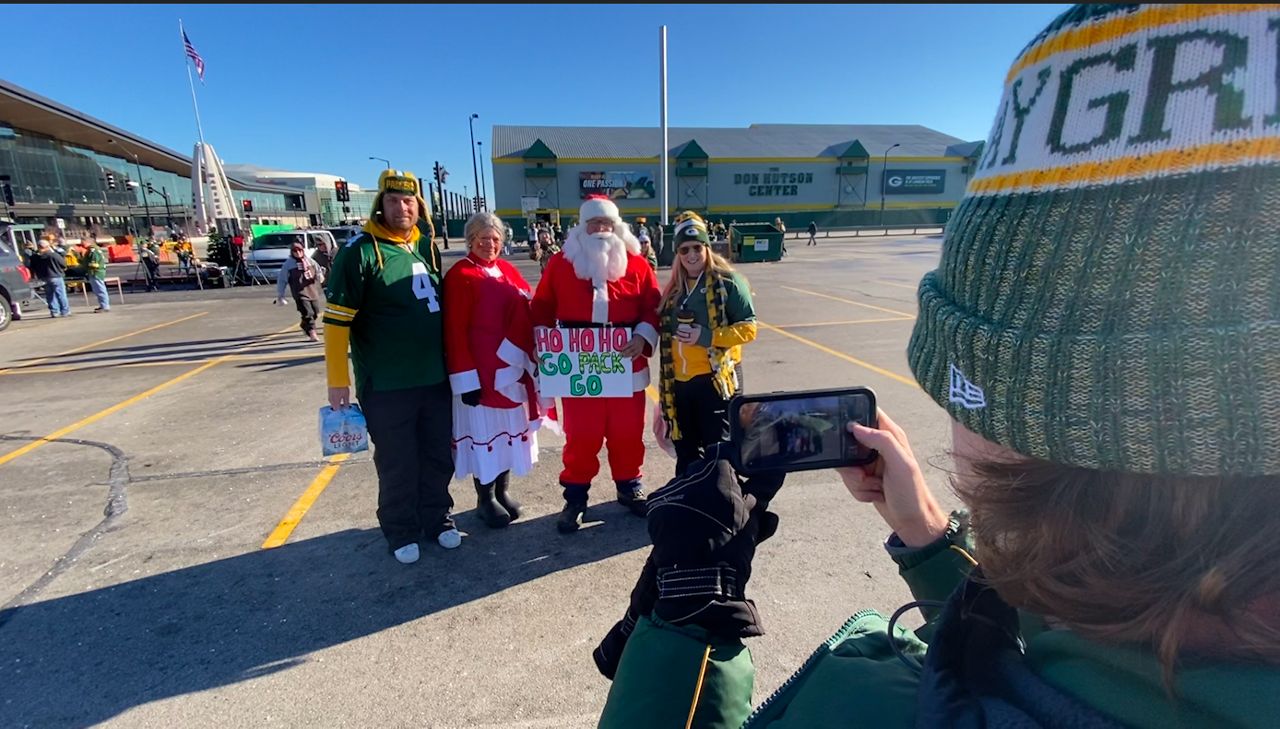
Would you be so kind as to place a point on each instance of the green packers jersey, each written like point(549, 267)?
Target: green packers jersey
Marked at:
point(390, 298)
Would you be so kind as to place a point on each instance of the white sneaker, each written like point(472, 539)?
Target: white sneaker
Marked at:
point(451, 539)
point(408, 554)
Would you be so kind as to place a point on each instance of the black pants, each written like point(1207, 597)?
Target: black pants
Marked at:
point(152, 267)
point(310, 311)
point(702, 417)
point(412, 432)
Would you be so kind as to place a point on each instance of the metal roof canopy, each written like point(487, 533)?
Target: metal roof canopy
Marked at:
point(28, 110)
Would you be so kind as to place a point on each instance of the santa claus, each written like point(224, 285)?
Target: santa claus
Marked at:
point(600, 280)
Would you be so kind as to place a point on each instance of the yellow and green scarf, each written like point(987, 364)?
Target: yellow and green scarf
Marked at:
point(723, 372)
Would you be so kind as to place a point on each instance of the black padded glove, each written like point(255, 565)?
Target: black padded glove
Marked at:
point(471, 398)
point(705, 527)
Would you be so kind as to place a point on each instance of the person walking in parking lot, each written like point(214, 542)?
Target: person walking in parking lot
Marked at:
point(96, 266)
point(304, 277)
point(813, 234)
point(48, 266)
point(384, 302)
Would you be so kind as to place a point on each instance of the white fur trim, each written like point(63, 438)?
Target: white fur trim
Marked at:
point(600, 304)
point(639, 380)
point(650, 334)
point(513, 355)
point(464, 381)
point(597, 208)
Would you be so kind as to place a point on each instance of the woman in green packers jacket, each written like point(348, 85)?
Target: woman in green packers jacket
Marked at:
point(1103, 330)
point(705, 317)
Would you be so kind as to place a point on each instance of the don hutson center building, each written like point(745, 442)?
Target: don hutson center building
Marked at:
point(835, 175)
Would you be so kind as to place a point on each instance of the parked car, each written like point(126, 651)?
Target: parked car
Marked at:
point(267, 255)
point(15, 279)
point(345, 233)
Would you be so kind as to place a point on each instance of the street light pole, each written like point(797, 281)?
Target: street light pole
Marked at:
point(483, 184)
point(884, 177)
point(475, 173)
point(380, 159)
point(145, 204)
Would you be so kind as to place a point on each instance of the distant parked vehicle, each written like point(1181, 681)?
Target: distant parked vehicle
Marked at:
point(270, 250)
point(15, 279)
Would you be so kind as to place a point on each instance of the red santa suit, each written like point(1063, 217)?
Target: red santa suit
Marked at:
point(489, 347)
point(629, 297)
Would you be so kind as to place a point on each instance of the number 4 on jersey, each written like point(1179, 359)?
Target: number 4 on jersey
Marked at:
point(423, 288)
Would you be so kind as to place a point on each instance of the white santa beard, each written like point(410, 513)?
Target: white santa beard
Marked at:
point(596, 257)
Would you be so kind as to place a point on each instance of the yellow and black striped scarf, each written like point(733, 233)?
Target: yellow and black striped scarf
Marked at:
point(722, 370)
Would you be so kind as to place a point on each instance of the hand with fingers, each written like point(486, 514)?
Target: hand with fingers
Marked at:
point(894, 484)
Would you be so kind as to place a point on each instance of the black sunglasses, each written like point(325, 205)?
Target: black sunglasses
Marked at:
point(695, 248)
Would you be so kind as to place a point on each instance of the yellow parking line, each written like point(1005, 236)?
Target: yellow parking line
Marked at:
point(834, 353)
point(847, 301)
point(285, 356)
point(100, 342)
point(104, 413)
point(114, 408)
point(901, 286)
point(841, 323)
point(281, 533)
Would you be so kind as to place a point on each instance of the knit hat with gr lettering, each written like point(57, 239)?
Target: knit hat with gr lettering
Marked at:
point(1108, 294)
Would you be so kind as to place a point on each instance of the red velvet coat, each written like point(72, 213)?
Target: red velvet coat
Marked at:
point(488, 333)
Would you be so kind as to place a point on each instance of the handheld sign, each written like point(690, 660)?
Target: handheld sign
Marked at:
point(583, 362)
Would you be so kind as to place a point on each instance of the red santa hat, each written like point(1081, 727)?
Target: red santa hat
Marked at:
point(598, 206)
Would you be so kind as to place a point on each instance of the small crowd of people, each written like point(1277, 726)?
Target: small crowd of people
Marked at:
point(420, 340)
point(52, 261)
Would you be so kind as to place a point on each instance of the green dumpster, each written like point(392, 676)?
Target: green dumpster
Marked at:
point(754, 242)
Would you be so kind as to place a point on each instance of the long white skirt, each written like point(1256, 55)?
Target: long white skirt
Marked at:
point(488, 441)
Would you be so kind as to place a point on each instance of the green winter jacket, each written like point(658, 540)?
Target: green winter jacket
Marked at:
point(856, 680)
point(96, 263)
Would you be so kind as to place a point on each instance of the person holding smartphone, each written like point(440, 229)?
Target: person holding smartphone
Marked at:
point(705, 317)
point(1103, 334)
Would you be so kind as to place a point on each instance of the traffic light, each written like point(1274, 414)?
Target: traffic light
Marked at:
point(340, 188)
point(247, 205)
point(8, 194)
point(150, 190)
point(111, 180)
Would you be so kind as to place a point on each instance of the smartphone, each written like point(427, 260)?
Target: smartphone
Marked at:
point(800, 431)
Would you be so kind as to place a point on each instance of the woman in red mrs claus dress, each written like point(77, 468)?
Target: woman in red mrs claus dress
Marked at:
point(490, 358)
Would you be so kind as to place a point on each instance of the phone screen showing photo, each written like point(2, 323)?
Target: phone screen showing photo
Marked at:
point(790, 434)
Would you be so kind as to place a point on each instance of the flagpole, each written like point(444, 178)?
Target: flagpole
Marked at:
point(200, 163)
point(191, 82)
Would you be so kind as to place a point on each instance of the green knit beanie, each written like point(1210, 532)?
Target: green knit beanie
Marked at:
point(1108, 294)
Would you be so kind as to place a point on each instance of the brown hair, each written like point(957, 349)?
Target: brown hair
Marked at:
point(1171, 562)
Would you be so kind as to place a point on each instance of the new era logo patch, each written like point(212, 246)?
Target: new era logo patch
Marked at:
point(964, 393)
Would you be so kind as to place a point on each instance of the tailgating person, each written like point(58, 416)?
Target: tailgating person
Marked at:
point(95, 263)
point(1111, 381)
point(705, 317)
point(304, 278)
point(384, 304)
point(50, 267)
point(490, 357)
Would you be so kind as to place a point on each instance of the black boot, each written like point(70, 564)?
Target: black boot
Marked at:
point(490, 510)
point(571, 516)
point(500, 493)
point(631, 495)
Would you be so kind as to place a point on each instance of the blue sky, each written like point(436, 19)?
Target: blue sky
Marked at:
point(322, 88)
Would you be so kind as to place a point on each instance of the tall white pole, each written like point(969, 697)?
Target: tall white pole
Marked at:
point(191, 82)
point(200, 163)
point(662, 52)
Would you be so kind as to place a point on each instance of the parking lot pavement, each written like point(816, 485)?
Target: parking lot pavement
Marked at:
point(147, 455)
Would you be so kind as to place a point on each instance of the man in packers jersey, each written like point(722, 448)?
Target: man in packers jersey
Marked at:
point(384, 302)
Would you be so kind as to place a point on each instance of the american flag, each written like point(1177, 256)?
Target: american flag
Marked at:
point(195, 57)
